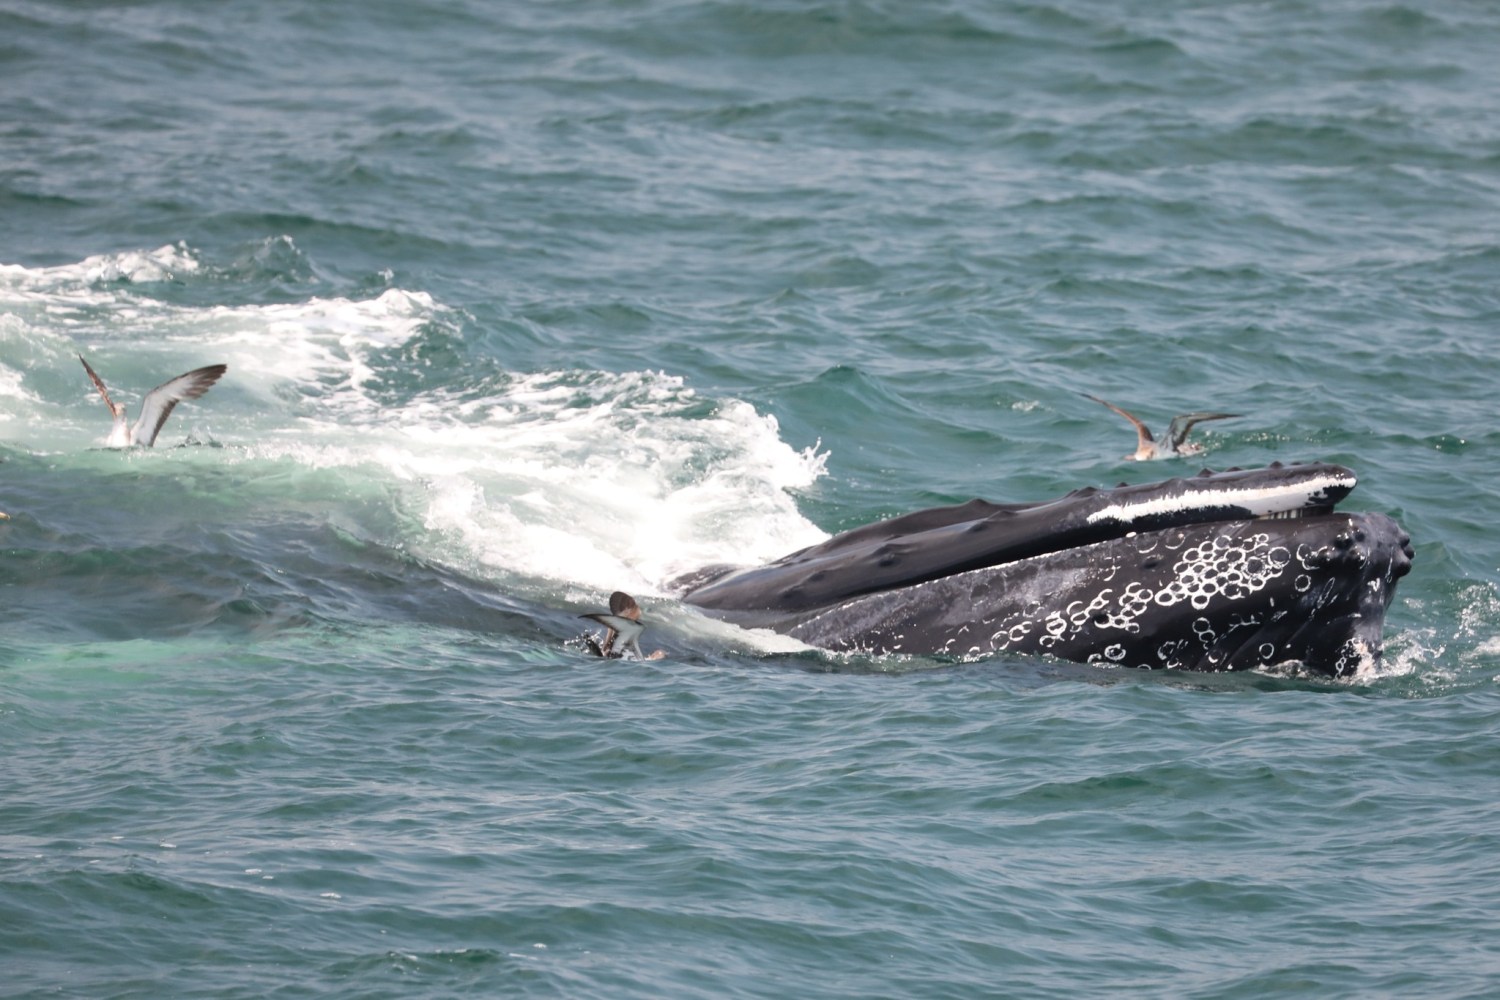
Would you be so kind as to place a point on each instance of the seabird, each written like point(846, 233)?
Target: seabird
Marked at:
point(1173, 443)
point(157, 405)
point(622, 625)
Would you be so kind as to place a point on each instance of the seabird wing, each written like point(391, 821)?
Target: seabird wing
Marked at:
point(629, 630)
point(1144, 437)
point(1182, 423)
point(160, 401)
point(625, 631)
point(98, 384)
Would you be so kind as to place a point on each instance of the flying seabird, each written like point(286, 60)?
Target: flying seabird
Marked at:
point(1173, 443)
point(157, 405)
point(622, 625)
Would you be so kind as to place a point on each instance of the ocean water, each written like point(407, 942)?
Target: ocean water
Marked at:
point(526, 302)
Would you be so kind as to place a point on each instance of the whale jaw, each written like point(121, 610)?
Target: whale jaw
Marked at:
point(1308, 592)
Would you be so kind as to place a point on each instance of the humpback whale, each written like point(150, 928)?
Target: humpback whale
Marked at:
point(1241, 569)
point(156, 407)
point(1173, 443)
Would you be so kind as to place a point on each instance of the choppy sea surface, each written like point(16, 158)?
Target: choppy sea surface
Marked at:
point(526, 302)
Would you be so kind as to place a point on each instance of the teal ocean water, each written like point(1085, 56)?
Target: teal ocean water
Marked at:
point(526, 302)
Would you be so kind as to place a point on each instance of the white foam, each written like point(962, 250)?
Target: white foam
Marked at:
point(620, 490)
point(10, 386)
point(132, 266)
point(620, 494)
point(1439, 656)
point(586, 480)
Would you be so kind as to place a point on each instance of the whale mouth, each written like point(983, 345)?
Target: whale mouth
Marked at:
point(929, 545)
point(1239, 569)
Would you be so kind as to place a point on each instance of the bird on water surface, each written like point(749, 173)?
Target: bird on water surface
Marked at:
point(156, 407)
point(1173, 443)
point(623, 626)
